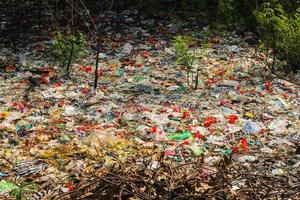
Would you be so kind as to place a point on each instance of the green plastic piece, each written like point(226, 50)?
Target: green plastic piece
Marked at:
point(180, 136)
point(138, 78)
point(120, 72)
point(7, 187)
point(111, 117)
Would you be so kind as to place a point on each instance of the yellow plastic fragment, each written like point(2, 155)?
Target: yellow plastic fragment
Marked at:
point(4, 115)
point(249, 115)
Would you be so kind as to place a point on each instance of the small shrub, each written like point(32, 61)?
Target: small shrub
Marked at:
point(67, 47)
point(183, 55)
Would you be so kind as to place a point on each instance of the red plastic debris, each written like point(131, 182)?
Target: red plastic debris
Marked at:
point(100, 72)
point(15, 103)
point(85, 90)
point(262, 131)
point(153, 129)
point(58, 84)
point(70, 187)
point(20, 107)
point(139, 65)
point(268, 85)
point(198, 135)
point(209, 121)
point(244, 144)
point(169, 153)
point(224, 102)
point(232, 119)
point(185, 115)
point(235, 149)
point(87, 69)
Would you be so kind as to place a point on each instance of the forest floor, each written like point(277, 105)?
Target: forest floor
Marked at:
point(145, 133)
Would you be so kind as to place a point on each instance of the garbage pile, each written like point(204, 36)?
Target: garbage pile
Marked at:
point(56, 134)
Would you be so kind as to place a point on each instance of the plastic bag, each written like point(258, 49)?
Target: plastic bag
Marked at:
point(251, 127)
point(232, 118)
point(209, 121)
point(127, 48)
point(7, 187)
point(180, 136)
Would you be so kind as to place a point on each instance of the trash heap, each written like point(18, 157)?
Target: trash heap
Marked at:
point(57, 134)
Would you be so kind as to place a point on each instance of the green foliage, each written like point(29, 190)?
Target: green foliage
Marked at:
point(237, 13)
point(272, 23)
point(272, 17)
point(183, 55)
point(280, 31)
point(65, 44)
point(226, 9)
point(290, 45)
